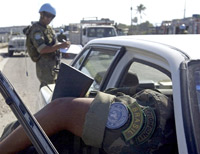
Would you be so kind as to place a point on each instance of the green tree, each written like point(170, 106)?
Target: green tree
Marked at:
point(140, 9)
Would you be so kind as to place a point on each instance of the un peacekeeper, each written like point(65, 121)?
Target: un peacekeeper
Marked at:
point(44, 42)
point(112, 122)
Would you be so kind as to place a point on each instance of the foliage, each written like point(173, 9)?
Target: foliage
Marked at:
point(138, 29)
point(140, 9)
point(141, 29)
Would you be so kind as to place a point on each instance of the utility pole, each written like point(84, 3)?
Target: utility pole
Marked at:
point(131, 19)
point(184, 10)
point(131, 16)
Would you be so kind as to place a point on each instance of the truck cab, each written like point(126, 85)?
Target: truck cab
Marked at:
point(16, 44)
point(92, 32)
point(81, 33)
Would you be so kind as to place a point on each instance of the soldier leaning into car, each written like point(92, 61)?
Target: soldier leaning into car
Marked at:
point(43, 39)
point(112, 123)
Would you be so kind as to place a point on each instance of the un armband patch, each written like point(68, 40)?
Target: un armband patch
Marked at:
point(136, 121)
point(148, 128)
point(37, 36)
point(118, 115)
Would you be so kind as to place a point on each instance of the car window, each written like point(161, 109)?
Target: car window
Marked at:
point(96, 65)
point(147, 76)
point(81, 59)
point(101, 32)
point(197, 82)
point(148, 73)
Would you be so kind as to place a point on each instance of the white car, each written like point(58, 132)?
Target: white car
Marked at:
point(168, 63)
point(16, 44)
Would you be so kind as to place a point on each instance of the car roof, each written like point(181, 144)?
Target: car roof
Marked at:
point(186, 44)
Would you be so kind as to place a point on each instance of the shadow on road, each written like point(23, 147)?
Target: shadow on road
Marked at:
point(17, 55)
point(3, 55)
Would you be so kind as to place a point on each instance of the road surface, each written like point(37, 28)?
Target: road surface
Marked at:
point(27, 86)
point(21, 72)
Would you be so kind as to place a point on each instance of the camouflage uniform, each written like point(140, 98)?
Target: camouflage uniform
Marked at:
point(42, 36)
point(148, 129)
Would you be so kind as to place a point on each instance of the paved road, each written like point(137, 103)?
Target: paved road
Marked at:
point(27, 87)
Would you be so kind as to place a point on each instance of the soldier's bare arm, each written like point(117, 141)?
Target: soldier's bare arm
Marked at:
point(61, 114)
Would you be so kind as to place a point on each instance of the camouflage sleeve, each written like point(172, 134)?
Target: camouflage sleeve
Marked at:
point(149, 128)
point(96, 119)
point(123, 124)
point(38, 39)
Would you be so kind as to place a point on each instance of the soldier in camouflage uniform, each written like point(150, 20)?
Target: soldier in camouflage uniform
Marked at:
point(112, 122)
point(43, 41)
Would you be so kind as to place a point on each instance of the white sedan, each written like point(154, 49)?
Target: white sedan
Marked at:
point(168, 63)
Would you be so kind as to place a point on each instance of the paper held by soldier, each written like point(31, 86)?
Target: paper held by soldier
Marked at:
point(73, 49)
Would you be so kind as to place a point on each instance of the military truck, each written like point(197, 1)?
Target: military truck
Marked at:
point(87, 30)
point(16, 44)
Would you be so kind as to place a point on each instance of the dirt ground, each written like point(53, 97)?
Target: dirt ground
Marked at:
point(6, 115)
point(26, 87)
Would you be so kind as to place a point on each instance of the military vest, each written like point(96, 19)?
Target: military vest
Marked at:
point(31, 49)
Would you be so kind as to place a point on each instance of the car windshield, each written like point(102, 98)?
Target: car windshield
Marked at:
point(197, 82)
point(101, 32)
point(190, 84)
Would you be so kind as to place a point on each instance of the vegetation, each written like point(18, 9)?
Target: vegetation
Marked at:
point(138, 28)
point(140, 9)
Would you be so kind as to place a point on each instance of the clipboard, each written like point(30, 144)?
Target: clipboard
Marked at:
point(71, 82)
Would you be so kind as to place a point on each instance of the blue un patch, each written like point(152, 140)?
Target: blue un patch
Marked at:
point(118, 115)
point(37, 36)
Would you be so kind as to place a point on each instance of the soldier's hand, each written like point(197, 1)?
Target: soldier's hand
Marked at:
point(65, 44)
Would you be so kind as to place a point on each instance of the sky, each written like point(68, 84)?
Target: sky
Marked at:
point(22, 12)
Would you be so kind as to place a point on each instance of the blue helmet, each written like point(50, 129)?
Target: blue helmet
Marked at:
point(61, 30)
point(48, 8)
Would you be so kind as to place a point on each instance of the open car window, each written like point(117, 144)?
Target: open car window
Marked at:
point(95, 63)
point(147, 76)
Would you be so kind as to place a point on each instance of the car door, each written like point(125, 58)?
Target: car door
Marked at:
point(190, 98)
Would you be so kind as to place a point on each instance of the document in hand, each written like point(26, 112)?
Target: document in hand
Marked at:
point(71, 82)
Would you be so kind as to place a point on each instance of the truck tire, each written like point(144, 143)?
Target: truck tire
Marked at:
point(10, 52)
